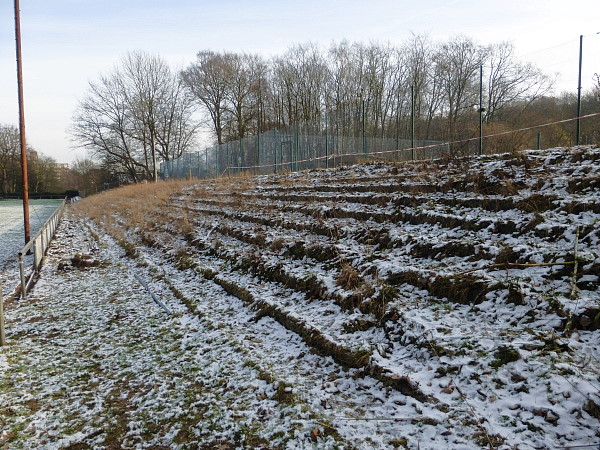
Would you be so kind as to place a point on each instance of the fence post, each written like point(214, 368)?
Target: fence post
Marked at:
point(258, 152)
point(227, 158)
point(412, 121)
point(274, 146)
point(2, 334)
point(217, 148)
point(326, 142)
point(578, 121)
point(296, 165)
point(23, 281)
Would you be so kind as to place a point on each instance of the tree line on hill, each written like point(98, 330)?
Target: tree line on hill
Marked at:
point(382, 89)
point(144, 112)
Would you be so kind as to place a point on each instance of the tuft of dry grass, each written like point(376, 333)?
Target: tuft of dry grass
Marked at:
point(348, 278)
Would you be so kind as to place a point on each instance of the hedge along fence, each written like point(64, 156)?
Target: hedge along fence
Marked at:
point(40, 243)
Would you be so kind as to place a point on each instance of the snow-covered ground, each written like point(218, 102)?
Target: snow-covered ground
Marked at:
point(442, 304)
point(93, 360)
point(12, 234)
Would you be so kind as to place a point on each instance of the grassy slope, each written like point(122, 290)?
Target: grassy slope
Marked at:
point(457, 283)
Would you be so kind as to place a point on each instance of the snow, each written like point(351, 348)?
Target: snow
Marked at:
point(93, 360)
point(11, 232)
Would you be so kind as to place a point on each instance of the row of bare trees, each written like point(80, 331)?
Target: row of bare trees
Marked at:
point(44, 174)
point(377, 86)
point(144, 111)
point(43, 170)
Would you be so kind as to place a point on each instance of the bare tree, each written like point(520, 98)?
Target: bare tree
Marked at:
point(341, 86)
point(103, 124)
point(88, 176)
point(300, 77)
point(458, 63)
point(358, 88)
point(510, 81)
point(134, 116)
point(244, 82)
point(43, 174)
point(207, 80)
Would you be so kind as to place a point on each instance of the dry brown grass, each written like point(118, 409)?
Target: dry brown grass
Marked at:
point(348, 278)
point(132, 206)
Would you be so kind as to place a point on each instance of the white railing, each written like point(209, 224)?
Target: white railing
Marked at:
point(40, 243)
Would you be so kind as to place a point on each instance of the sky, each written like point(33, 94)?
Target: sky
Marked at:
point(68, 43)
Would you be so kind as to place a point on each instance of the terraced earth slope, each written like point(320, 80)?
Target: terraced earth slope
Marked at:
point(468, 286)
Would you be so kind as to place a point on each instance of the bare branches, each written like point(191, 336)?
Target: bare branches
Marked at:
point(135, 116)
point(363, 88)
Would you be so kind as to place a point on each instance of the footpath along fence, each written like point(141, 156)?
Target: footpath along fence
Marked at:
point(39, 243)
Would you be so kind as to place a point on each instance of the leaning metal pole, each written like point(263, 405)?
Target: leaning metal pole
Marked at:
point(22, 125)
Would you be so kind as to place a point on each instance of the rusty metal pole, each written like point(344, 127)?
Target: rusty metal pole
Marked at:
point(22, 124)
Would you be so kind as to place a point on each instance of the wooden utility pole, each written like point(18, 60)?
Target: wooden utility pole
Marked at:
point(22, 124)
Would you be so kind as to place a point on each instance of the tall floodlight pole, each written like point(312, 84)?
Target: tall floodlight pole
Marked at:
point(578, 125)
point(481, 110)
point(22, 124)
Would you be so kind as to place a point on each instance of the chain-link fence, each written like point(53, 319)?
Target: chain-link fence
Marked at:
point(351, 135)
point(294, 150)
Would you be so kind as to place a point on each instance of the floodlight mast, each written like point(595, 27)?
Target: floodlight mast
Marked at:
point(22, 124)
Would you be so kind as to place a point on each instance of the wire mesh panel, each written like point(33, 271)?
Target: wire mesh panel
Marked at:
point(292, 149)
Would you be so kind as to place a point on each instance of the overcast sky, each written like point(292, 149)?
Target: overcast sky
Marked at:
point(67, 43)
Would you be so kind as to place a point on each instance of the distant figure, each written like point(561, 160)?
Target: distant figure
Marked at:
point(72, 195)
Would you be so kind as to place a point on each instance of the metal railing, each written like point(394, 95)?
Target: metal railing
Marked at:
point(39, 243)
point(2, 333)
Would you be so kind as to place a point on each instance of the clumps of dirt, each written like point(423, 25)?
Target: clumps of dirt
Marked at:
point(592, 408)
point(81, 262)
point(583, 184)
point(508, 254)
point(581, 155)
point(439, 252)
point(465, 289)
point(377, 306)
point(360, 324)
point(500, 184)
point(588, 320)
point(301, 249)
point(400, 383)
point(537, 203)
point(504, 355)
